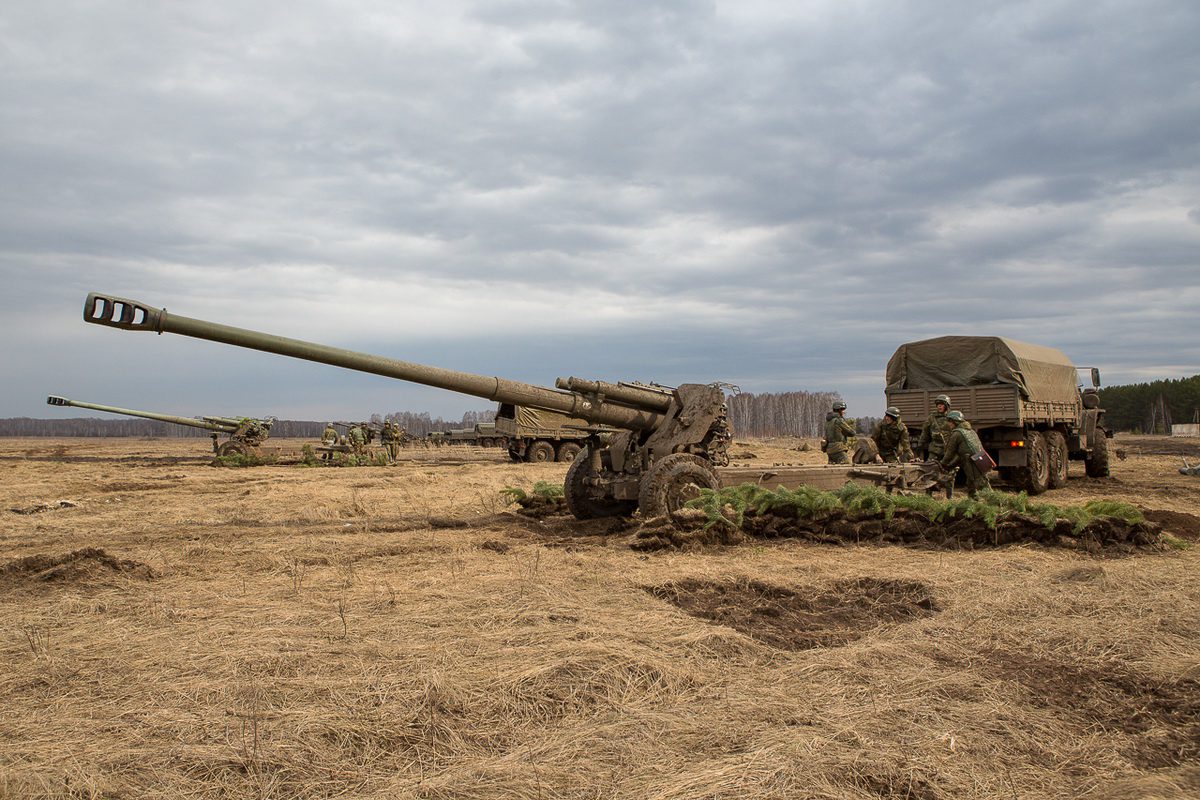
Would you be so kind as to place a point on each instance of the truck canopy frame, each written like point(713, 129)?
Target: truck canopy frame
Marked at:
point(1039, 373)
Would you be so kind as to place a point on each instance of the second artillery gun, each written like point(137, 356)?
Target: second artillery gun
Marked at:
point(245, 433)
point(647, 447)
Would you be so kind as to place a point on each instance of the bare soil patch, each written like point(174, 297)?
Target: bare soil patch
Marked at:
point(1180, 523)
point(88, 565)
point(1160, 718)
point(803, 617)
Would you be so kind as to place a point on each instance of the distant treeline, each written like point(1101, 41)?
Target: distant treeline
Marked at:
point(1151, 407)
point(780, 414)
point(417, 424)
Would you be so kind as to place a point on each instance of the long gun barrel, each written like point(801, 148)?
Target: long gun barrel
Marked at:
point(191, 422)
point(620, 412)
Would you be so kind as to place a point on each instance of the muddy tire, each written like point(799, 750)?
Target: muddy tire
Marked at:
point(1056, 449)
point(1034, 477)
point(233, 448)
point(540, 452)
point(1097, 465)
point(580, 503)
point(567, 452)
point(672, 481)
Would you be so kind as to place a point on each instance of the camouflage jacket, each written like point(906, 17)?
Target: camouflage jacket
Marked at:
point(837, 431)
point(356, 435)
point(892, 441)
point(961, 444)
point(329, 435)
point(933, 433)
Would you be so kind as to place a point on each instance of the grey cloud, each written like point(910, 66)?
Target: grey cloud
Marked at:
point(785, 197)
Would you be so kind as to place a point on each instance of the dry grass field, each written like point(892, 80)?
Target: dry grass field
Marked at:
point(172, 629)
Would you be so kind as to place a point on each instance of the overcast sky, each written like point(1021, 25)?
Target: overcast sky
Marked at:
point(773, 194)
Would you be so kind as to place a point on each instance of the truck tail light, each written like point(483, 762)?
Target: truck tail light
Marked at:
point(1016, 443)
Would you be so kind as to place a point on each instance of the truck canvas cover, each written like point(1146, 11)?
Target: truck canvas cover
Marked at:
point(543, 419)
point(1041, 373)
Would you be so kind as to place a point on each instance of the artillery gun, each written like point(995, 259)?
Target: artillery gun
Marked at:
point(245, 433)
point(651, 448)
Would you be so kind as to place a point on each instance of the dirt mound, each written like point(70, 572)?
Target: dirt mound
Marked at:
point(692, 528)
point(1179, 523)
point(1162, 718)
point(805, 617)
point(82, 566)
point(38, 508)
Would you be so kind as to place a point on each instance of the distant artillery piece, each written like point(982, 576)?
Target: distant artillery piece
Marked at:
point(245, 433)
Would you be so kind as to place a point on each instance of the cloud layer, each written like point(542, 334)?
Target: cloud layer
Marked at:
point(771, 194)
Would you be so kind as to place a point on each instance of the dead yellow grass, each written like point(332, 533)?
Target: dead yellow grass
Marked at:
point(308, 633)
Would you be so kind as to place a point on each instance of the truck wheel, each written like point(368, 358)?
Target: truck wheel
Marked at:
point(567, 452)
point(581, 503)
point(1034, 477)
point(672, 481)
point(1056, 448)
point(486, 443)
point(1096, 465)
point(540, 452)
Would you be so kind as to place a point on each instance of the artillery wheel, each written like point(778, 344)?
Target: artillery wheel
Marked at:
point(580, 503)
point(1056, 446)
point(1034, 477)
point(233, 448)
point(540, 452)
point(672, 481)
point(1097, 465)
point(567, 451)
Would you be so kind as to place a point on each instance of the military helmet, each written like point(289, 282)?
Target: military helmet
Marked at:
point(944, 399)
point(892, 412)
point(955, 415)
point(838, 405)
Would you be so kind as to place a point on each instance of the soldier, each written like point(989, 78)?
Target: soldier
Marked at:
point(391, 440)
point(891, 437)
point(329, 438)
point(357, 437)
point(932, 442)
point(961, 444)
point(837, 431)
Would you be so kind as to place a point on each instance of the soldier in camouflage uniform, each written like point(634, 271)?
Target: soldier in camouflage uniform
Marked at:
point(837, 432)
point(961, 444)
point(932, 442)
point(329, 437)
point(891, 437)
point(391, 440)
point(357, 437)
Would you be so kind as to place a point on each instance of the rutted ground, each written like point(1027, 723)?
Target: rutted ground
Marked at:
point(184, 630)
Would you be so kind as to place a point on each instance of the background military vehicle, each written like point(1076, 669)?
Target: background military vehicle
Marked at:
point(1023, 400)
point(245, 433)
point(538, 435)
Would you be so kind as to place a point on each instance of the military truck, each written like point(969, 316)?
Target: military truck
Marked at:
point(538, 435)
point(1024, 401)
